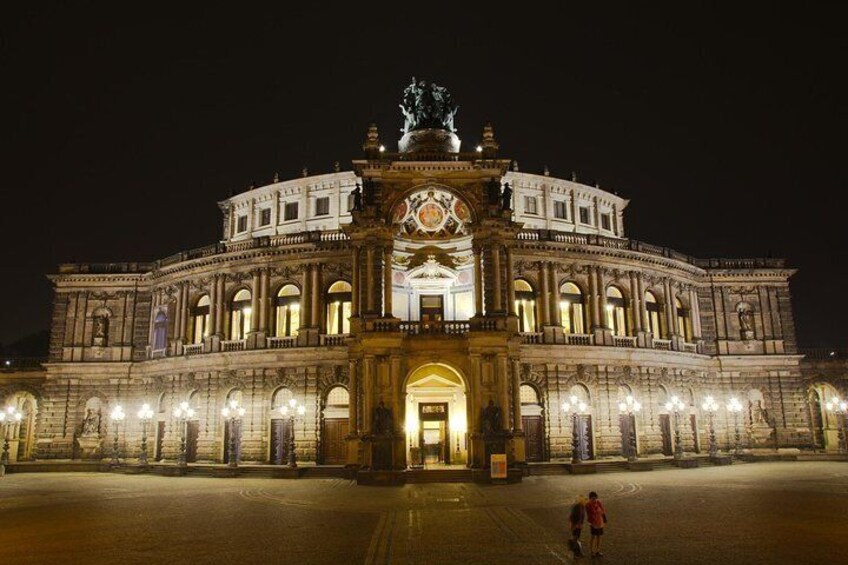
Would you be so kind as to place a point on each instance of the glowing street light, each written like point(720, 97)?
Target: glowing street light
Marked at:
point(233, 413)
point(629, 407)
point(183, 413)
point(575, 407)
point(117, 417)
point(8, 418)
point(839, 408)
point(735, 407)
point(144, 414)
point(676, 405)
point(290, 411)
point(710, 406)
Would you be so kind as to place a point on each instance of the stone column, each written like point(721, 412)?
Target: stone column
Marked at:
point(369, 279)
point(670, 309)
point(643, 312)
point(602, 297)
point(185, 316)
point(266, 303)
point(695, 314)
point(504, 381)
point(516, 396)
point(306, 298)
point(593, 299)
point(354, 283)
point(178, 312)
point(556, 315)
point(510, 282)
point(213, 306)
point(255, 296)
point(387, 282)
point(353, 403)
point(316, 296)
point(635, 303)
point(367, 387)
point(544, 298)
point(496, 267)
point(221, 308)
point(478, 282)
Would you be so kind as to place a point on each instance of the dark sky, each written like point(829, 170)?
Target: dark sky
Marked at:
point(121, 129)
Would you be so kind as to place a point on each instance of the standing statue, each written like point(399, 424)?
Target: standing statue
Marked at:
point(91, 423)
point(357, 198)
point(746, 323)
point(427, 105)
point(506, 197)
point(382, 420)
point(491, 419)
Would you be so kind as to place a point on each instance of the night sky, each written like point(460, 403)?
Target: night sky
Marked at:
point(121, 130)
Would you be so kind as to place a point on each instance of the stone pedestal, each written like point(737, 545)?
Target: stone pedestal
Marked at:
point(686, 463)
point(429, 141)
point(90, 447)
point(255, 340)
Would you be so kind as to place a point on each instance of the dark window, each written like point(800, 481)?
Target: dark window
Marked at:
point(530, 204)
point(560, 210)
point(322, 206)
point(265, 217)
point(584, 215)
point(605, 221)
point(291, 211)
point(350, 201)
point(242, 224)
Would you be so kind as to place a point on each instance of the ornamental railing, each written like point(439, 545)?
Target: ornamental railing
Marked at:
point(435, 328)
point(232, 345)
point(662, 344)
point(532, 338)
point(623, 341)
point(193, 349)
point(282, 342)
point(333, 339)
point(690, 347)
point(579, 339)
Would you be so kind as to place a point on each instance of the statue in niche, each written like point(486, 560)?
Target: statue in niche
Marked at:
point(91, 423)
point(746, 322)
point(759, 415)
point(506, 197)
point(357, 198)
point(100, 331)
point(382, 420)
point(491, 419)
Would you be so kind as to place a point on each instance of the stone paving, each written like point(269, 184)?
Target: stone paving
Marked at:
point(748, 513)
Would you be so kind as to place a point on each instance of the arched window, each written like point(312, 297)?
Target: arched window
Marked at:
point(160, 331)
point(288, 311)
point(200, 319)
point(616, 314)
point(240, 312)
point(525, 306)
point(684, 322)
point(571, 308)
point(338, 308)
point(653, 309)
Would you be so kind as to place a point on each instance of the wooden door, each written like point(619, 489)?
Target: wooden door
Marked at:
point(534, 437)
point(665, 430)
point(280, 441)
point(231, 428)
point(627, 423)
point(584, 437)
point(160, 439)
point(192, 433)
point(333, 441)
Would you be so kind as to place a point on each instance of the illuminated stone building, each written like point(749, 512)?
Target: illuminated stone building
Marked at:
point(403, 300)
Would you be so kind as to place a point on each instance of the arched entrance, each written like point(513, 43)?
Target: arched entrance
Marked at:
point(533, 423)
point(280, 427)
point(825, 423)
point(335, 426)
point(436, 417)
point(22, 435)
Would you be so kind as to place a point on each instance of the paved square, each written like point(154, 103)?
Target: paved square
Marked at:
point(750, 513)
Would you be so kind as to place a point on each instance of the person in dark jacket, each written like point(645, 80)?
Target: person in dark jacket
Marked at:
point(575, 525)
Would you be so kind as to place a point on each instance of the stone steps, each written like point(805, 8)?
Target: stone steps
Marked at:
point(438, 476)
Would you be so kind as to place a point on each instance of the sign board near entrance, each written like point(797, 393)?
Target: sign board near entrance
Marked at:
point(498, 466)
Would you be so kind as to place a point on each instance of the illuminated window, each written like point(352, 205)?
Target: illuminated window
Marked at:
point(241, 224)
point(287, 311)
point(290, 211)
point(571, 308)
point(200, 318)
point(684, 325)
point(525, 306)
point(240, 313)
point(338, 308)
point(264, 216)
point(653, 310)
point(322, 206)
point(616, 314)
point(560, 210)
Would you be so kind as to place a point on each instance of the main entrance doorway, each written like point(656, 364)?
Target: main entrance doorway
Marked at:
point(435, 417)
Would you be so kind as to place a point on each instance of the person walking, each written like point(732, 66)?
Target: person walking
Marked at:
point(575, 525)
point(597, 517)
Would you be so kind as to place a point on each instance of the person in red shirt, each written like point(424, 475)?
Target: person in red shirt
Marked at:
point(597, 517)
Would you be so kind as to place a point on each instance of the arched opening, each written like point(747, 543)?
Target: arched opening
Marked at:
point(533, 422)
point(22, 434)
point(571, 309)
point(627, 423)
point(161, 426)
point(232, 428)
point(652, 308)
point(200, 319)
point(616, 312)
point(240, 313)
point(684, 321)
point(160, 331)
point(436, 417)
point(665, 421)
point(585, 436)
point(339, 298)
point(287, 313)
point(525, 306)
point(335, 426)
point(280, 427)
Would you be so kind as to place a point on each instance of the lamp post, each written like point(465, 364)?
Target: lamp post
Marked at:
point(8, 418)
point(290, 411)
point(839, 408)
point(183, 413)
point(575, 407)
point(735, 407)
point(233, 413)
point(144, 414)
point(710, 406)
point(117, 417)
point(629, 407)
point(676, 405)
